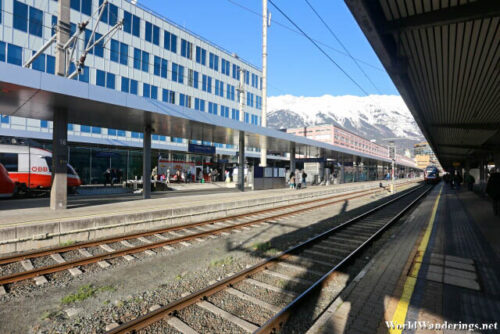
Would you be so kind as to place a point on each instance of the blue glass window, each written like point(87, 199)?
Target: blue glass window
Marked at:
point(177, 73)
point(131, 24)
point(96, 129)
point(247, 118)
point(111, 132)
point(195, 79)
point(14, 54)
point(170, 41)
point(101, 78)
point(51, 66)
point(146, 90)
point(36, 21)
point(201, 55)
point(247, 77)
point(123, 54)
point(70, 127)
point(39, 63)
point(1, 11)
point(224, 111)
point(145, 61)
point(110, 14)
point(235, 114)
point(136, 26)
point(134, 84)
point(199, 104)
point(44, 124)
point(168, 96)
point(121, 133)
point(4, 119)
point(2, 51)
point(135, 134)
point(53, 25)
point(137, 58)
point(98, 50)
point(85, 128)
point(75, 4)
point(225, 66)
point(155, 137)
point(20, 16)
point(236, 72)
point(152, 33)
point(212, 108)
point(185, 100)
point(154, 92)
point(164, 68)
point(157, 66)
point(110, 80)
point(149, 32)
point(125, 85)
point(127, 22)
point(87, 7)
point(186, 49)
point(115, 50)
point(119, 52)
point(213, 62)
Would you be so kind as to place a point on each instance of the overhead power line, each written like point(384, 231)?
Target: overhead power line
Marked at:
point(284, 26)
point(343, 46)
point(319, 48)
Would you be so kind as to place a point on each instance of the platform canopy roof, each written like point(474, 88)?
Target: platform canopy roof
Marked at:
point(443, 56)
point(32, 94)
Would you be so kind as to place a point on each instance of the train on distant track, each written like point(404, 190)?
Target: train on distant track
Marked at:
point(431, 175)
point(29, 168)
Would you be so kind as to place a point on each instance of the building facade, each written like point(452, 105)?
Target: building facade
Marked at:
point(424, 156)
point(337, 136)
point(150, 57)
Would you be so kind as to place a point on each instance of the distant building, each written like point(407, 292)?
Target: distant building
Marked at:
point(424, 156)
point(335, 135)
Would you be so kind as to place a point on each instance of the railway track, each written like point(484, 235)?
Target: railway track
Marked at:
point(100, 252)
point(241, 303)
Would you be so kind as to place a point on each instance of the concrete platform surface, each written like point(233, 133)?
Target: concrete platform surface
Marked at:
point(36, 227)
point(440, 274)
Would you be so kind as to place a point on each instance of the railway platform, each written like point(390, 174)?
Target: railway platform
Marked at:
point(35, 226)
point(439, 274)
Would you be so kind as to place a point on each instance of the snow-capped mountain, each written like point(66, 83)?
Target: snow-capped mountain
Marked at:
point(376, 117)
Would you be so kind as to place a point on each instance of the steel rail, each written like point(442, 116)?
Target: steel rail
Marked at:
point(24, 275)
point(63, 249)
point(276, 323)
point(170, 309)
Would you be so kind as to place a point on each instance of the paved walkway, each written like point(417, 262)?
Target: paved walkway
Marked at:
point(439, 269)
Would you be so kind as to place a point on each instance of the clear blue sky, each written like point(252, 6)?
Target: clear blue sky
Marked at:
point(295, 66)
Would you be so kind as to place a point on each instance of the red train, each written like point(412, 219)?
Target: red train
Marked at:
point(7, 186)
point(29, 168)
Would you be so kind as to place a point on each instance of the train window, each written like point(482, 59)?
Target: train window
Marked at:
point(10, 161)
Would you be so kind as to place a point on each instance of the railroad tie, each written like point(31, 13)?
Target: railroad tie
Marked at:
point(271, 287)
point(299, 268)
point(107, 248)
point(181, 326)
point(247, 326)
point(159, 236)
point(287, 277)
point(144, 240)
point(2, 290)
point(253, 300)
point(27, 265)
point(126, 244)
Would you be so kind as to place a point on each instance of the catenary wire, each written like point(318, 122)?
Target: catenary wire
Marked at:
point(343, 46)
point(318, 47)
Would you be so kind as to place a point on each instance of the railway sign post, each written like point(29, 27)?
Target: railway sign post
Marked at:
point(392, 155)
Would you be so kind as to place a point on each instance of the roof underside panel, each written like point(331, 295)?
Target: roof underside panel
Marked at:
point(444, 56)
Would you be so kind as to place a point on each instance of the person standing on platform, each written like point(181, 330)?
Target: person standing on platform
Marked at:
point(469, 180)
point(167, 178)
point(493, 190)
point(304, 179)
point(107, 176)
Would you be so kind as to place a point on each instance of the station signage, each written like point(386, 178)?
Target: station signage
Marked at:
point(201, 149)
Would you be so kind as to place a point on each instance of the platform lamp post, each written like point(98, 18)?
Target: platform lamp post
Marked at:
point(265, 24)
point(392, 155)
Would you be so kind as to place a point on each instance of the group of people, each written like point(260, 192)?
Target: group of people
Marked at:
point(455, 178)
point(112, 176)
point(298, 179)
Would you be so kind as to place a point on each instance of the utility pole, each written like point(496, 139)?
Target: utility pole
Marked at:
point(263, 152)
point(241, 91)
point(58, 192)
point(392, 155)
